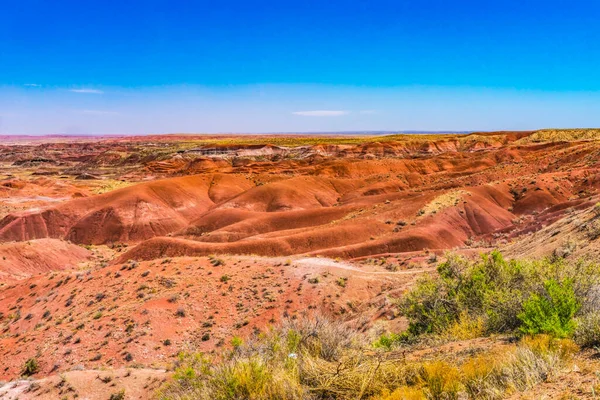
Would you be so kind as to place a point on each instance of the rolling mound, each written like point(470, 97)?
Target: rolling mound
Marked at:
point(340, 199)
point(129, 214)
point(20, 260)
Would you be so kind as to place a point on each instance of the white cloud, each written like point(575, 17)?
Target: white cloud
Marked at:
point(32, 85)
point(90, 91)
point(321, 113)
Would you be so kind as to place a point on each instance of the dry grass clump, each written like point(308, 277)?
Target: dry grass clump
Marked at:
point(587, 332)
point(315, 358)
point(535, 359)
point(440, 380)
point(481, 377)
point(466, 327)
point(403, 393)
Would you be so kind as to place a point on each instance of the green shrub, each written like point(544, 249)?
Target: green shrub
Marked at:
point(387, 341)
point(236, 342)
point(491, 288)
point(31, 367)
point(494, 295)
point(428, 307)
point(551, 312)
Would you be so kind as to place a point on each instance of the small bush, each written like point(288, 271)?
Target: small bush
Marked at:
point(469, 299)
point(236, 342)
point(597, 209)
point(552, 312)
point(587, 331)
point(120, 395)
point(387, 341)
point(593, 229)
point(31, 367)
point(342, 281)
point(216, 262)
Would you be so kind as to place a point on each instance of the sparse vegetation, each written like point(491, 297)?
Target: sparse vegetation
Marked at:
point(216, 262)
point(342, 281)
point(31, 367)
point(315, 358)
point(542, 304)
point(120, 395)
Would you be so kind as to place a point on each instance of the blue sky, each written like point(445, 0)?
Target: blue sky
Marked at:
point(102, 67)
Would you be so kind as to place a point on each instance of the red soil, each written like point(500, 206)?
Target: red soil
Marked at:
point(130, 214)
point(72, 317)
point(19, 260)
point(402, 201)
point(470, 189)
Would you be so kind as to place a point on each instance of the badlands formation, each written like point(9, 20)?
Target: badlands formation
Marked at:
point(117, 253)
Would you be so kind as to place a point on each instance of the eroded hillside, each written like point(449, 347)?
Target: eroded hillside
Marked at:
point(124, 251)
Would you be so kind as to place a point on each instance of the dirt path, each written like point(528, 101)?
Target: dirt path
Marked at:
point(312, 262)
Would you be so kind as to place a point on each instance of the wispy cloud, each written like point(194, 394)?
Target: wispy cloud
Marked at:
point(89, 91)
point(368, 112)
point(32, 85)
point(321, 113)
